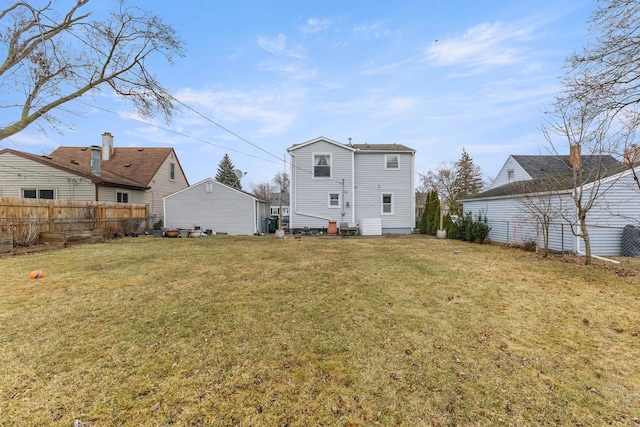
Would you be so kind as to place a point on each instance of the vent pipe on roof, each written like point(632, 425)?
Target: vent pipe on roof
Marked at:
point(107, 146)
point(350, 143)
point(574, 157)
point(95, 160)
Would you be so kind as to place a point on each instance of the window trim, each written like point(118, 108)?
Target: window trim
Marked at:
point(511, 175)
point(128, 194)
point(274, 210)
point(386, 162)
point(38, 191)
point(172, 171)
point(382, 204)
point(337, 205)
point(313, 165)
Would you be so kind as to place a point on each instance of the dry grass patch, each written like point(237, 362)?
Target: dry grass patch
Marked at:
point(315, 331)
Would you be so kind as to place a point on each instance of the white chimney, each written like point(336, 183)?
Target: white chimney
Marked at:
point(95, 160)
point(107, 146)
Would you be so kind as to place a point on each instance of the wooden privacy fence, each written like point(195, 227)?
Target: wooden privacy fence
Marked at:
point(25, 219)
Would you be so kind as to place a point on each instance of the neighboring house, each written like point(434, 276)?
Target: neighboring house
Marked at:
point(212, 205)
point(541, 184)
point(106, 174)
point(274, 204)
point(368, 184)
point(528, 167)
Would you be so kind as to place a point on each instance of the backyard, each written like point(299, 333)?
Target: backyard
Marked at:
point(254, 331)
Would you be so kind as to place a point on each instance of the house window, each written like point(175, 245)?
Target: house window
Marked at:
point(510, 176)
point(172, 171)
point(285, 211)
point(321, 165)
point(37, 193)
point(334, 200)
point(122, 197)
point(274, 211)
point(209, 187)
point(387, 203)
point(392, 161)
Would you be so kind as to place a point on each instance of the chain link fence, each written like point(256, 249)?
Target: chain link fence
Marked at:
point(604, 240)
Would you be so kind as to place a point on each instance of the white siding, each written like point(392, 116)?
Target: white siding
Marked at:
point(511, 222)
point(110, 194)
point(373, 180)
point(309, 206)
point(618, 206)
point(161, 185)
point(502, 178)
point(17, 173)
point(221, 209)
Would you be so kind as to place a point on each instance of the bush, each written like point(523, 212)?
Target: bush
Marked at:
point(469, 229)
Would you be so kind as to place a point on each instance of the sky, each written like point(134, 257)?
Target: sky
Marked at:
point(434, 75)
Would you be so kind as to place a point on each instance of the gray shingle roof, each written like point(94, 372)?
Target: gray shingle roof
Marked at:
point(544, 166)
point(552, 173)
point(382, 147)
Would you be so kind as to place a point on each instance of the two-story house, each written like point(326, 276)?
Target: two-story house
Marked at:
point(94, 173)
point(371, 185)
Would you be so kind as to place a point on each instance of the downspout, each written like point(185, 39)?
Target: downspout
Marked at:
point(353, 186)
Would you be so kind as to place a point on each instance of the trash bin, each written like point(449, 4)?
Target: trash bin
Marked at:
point(271, 225)
point(333, 229)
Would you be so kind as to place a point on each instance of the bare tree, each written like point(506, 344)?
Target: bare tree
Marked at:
point(604, 75)
point(281, 182)
point(263, 191)
point(443, 180)
point(540, 204)
point(48, 59)
point(584, 134)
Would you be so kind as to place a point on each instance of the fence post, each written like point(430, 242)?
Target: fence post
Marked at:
point(508, 237)
point(562, 234)
point(50, 214)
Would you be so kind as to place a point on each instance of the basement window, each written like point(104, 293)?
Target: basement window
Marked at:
point(122, 197)
point(38, 193)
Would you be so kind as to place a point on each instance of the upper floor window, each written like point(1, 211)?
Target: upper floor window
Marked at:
point(209, 187)
point(172, 171)
point(334, 200)
point(38, 193)
point(387, 203)
point(510, 176)
point(391, 161)
point(321, 165)
point(275, 211)
point(122, 197)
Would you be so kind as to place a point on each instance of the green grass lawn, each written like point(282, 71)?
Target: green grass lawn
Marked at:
point(254, 331)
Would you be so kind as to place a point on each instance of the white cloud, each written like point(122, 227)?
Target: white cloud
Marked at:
point(314, 25)
point(270, 111)
point(376, 30)
point(481, 47)
point(278, 45)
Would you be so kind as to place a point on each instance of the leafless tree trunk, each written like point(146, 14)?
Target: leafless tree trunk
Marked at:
point(47, 60)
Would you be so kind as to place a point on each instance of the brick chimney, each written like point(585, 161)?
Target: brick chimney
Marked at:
point(632, 154)
point(107, 146)
point(575, 161)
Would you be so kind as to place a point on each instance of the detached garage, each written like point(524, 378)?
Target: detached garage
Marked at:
point(210, 204)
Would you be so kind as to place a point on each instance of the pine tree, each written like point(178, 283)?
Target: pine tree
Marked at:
point(435, 211)
point(425, 219)
point(226, 174)
point(468, 180)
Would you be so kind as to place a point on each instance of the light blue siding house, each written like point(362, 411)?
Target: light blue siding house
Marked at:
point(209, 204)
point(512, 221)
point(371, 185)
